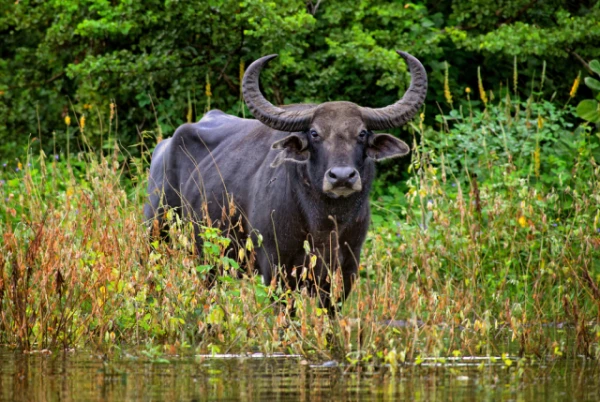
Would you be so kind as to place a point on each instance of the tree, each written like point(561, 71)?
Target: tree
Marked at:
point(154, 59)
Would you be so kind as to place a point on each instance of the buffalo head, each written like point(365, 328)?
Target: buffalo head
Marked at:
point(336, 138)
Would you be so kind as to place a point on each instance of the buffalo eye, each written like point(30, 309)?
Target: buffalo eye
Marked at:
point(314, 134)
point(362, 135)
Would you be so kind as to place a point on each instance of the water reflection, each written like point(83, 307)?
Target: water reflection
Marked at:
point(84, 376)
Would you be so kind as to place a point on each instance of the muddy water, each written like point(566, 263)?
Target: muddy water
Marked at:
point(84, 376)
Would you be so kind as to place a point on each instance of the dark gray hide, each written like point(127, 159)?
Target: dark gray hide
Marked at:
point(301, 173)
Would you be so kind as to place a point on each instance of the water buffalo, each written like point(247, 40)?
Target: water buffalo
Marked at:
point(296, 174)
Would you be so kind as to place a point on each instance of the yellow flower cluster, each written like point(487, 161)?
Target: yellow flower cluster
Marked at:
point(447, 93)
point(190, 112)
point(536, 160)
point(482, 93)
point(575, 85)
point(208, 91)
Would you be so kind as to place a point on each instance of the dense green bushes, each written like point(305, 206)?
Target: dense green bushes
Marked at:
point(153, 59)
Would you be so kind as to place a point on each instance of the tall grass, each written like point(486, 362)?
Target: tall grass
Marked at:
point(493, 249)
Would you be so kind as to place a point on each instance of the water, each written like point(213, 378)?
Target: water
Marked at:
point(85, 376)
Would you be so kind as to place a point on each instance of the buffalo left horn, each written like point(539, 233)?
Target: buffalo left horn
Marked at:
point(401, 112)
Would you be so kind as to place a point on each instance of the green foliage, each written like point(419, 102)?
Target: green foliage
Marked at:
point(146, 64)
point(526, 27)
point(501, 201)
point(538, 136)
point(589, 109)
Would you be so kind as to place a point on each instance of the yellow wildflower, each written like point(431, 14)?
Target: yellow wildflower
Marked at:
point(447, 93)
point(189, 113)
point(482, 93)
point(208, 91)
point(82, 122)
point(575, 85)
point(540, 122)
point(67, 120)
point(468, 90)
point(242, 70)
point(522, 221)
point(536, 160)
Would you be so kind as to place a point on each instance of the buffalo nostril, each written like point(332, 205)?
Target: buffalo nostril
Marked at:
point(342, 176)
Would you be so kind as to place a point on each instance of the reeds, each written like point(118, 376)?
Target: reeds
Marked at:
point(482, 258)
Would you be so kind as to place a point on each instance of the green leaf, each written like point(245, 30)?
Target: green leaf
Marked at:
point(230, 263)
point(202, 269)
point(592, 83)
point(376, 219)
point(260, 291)
point(306, 247)
point(226, 279)
point(211, 249)
point(216, 316)
point(595, 66)
point(589, 110)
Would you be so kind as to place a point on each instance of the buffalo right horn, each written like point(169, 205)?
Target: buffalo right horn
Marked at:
point(270, 115)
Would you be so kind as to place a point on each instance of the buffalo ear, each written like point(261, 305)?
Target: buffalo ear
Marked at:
point(385, 146)
point(293, 149)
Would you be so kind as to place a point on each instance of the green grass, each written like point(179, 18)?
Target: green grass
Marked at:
point(493, 249)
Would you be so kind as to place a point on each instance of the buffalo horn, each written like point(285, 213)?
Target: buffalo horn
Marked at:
point(270, 115)
point(405, 109)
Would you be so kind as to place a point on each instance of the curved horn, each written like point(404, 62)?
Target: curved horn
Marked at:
point(402, 111)
point(273, 116)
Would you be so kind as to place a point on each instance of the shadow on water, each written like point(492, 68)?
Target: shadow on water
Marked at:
point(83, 376)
